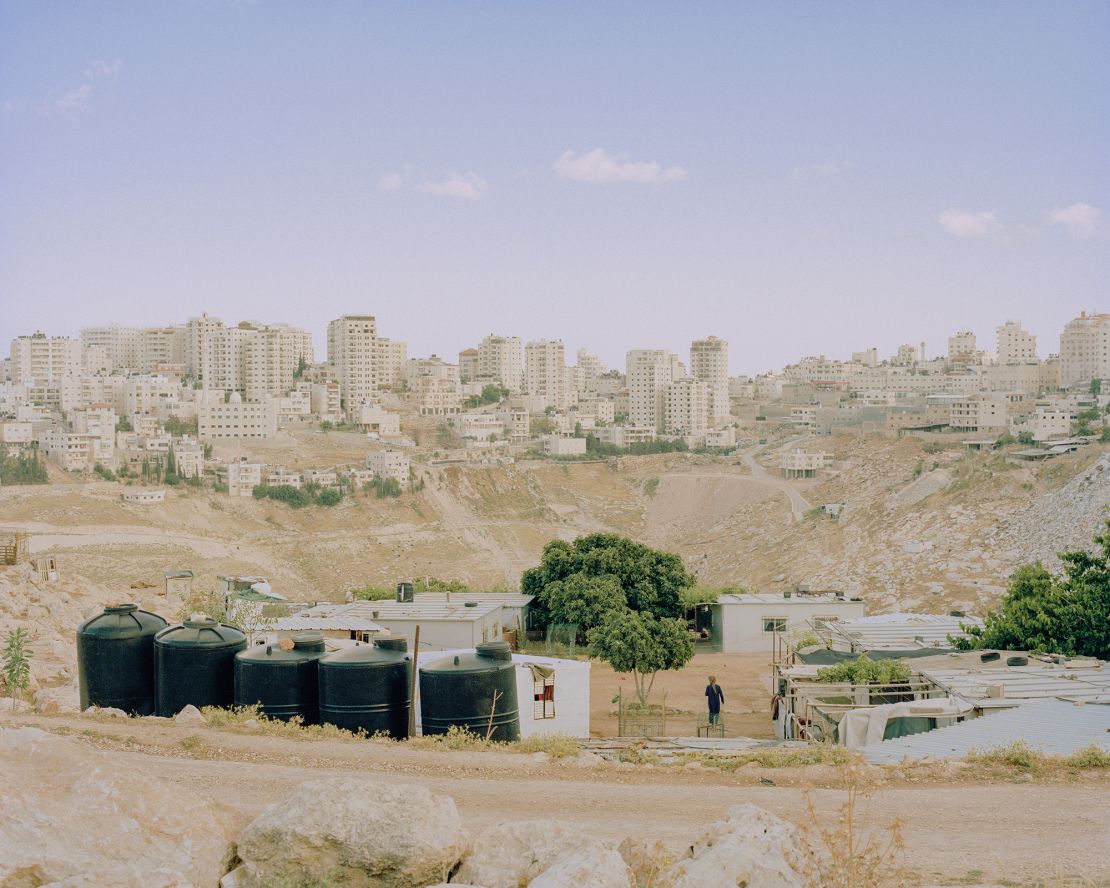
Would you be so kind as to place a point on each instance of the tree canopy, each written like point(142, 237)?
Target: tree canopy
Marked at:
point(651, 580)
point(1063, 613)
point(584, 600)
point(641, 644)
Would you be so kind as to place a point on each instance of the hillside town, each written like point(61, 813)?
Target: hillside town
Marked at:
point(194, 400)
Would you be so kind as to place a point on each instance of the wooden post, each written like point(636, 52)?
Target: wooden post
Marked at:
point(412, 687)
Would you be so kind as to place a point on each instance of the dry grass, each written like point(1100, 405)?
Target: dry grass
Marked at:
point(248, 719)
point(1021, 757)
point(848, 852)
point(778, 757)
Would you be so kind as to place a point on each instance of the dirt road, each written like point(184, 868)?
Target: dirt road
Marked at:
point(955, 832)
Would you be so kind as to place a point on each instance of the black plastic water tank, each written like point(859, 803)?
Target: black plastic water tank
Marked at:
point(194, 662)
point(367, 687)
point(281, 677)
point(473, 691)
point(115, 659)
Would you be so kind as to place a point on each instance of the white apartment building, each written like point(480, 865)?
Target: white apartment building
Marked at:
point(147, 394)
point(44, 359)
point(517, 425)
point(242, 477)
point(961, 347)
point(709, 363)
point(479, 427)
point(392, 354)
point(270, 359)
point(98, 420)
point(598, 409)
point(280, 476)
point(198, 355)
point(624, 436)
point(433, 367)
point(188, 456)
point(686, 407)
point(1084, 349)
point(545, 374)
point(437, 397)
point(72, 451)
point(160, 347)
point(468, 364)
point(500, 359)
point(799, 463)
point(15, 433)
point(868, 357)
point(375, 419)
point(986, 412)
point(386, 464)
point(649, 372)
point(353, 354)
point(1015, 345)
point(237, 419)
point(556, 445)
point(1049, 421)
point(587, 371)
point(326, 401)
point(295, 403)
point(121, 344)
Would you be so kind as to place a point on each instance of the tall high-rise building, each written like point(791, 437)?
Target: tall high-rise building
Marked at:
point(198, 347)
point(500, 359)
point(686, 406)
point(649, 372)
point(1015, 345)
point(709, 363)
point(122, 344)
point(468, 364)
point(272, 355)
point(161, 345)
point(392, 354)
point(1085, 349)
point(587, 371)
point(353, 353)
point(545, 373)
point(42, 358)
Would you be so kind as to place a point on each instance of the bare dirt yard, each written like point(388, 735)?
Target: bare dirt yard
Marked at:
point(957, 831)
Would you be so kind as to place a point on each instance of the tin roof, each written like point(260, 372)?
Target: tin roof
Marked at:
point(765, 598)
point(1056, 727)
point(1076, 679)
point(899, 631)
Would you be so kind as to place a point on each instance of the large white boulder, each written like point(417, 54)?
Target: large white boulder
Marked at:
point(355, 832)
point(60, 699)
point(752, 847)
point(586, 868)
point(72, 816)
point(512, 854)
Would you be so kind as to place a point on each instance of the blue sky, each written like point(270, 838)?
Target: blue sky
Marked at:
point(798, 178)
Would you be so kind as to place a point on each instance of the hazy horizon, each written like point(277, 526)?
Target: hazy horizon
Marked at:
point(797, 180)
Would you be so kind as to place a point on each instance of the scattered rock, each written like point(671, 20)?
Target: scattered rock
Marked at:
point(586, 759)
point(512, 854)
point(646, 861)
point(352, 831)
point(695, 765)
point(62, 699)
point(751, 847)
point(587, 868)
point(190, 715)
point(105, 712)
point(70, 815)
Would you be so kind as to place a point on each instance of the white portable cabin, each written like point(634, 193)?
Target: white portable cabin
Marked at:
point(553, 697)
point(750, 624)
point(514, 605)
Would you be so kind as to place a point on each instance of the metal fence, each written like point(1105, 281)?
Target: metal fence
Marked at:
point(635, 719)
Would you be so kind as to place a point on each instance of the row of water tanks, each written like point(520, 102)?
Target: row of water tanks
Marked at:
point(134, 660)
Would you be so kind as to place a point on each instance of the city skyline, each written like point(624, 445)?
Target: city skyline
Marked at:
point(791, 181)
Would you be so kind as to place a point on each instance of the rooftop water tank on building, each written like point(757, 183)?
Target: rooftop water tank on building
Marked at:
point(281, 677)
point(195, 663)
point(473, 691)
point(115, 659)
point(368, 688)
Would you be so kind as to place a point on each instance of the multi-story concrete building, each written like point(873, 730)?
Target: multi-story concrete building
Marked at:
point(72, 451)
point(123, 345)
point(98, 420)
point(649, 372)
point(799, 463)
point(624, 436)
point(326, 402)
point(468, 364)
point(1084, 349)
point(392, 354)
point(545, 373)
point(587, 371)
point(353, 354)
point(161, 347)
point(375, 419)
point(188, 457)
point(686, 407)
point(961, 347)
point(709, 363)
point(198, 354)
point(500, 360)
point(241, 477)
point(272, 357)
point(237, 419)
point(1015, 345)
point(389, 464)
point(44, 359)
point(436, 397)
point(987, 412)
point(433, 367)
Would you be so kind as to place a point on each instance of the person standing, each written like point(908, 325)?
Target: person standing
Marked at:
point(715, 697)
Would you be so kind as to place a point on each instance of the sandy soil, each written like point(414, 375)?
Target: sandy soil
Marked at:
point(744, 678)
point(955, 832)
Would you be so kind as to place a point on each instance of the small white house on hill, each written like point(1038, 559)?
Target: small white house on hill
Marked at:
point(750, 624)
point(553, 694)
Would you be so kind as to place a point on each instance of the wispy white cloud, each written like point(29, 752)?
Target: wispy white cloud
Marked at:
point(391, 182)
point(467, 186)
point(100, 69)
point(71, 103)
point(1080, 219)
point(12, 106)
point(819, 170)
point(598, 167)
point(967, 224)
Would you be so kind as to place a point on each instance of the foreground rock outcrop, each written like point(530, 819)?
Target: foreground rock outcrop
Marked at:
point(71, 816)
point(352, 831)
point(541, 852)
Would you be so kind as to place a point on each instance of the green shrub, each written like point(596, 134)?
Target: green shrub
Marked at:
point(864, 670)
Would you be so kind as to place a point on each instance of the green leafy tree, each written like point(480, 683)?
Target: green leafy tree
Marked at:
point(652, 581)
point(16, 664)
point(1025, 438)
point(584, 600)
point(642, 645)
point(1063, 613)
point(1096, 386)
point(123, 424)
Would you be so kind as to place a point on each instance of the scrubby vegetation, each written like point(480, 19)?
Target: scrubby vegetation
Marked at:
point(26, 468)
point(864, 670)
point(299, 498)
